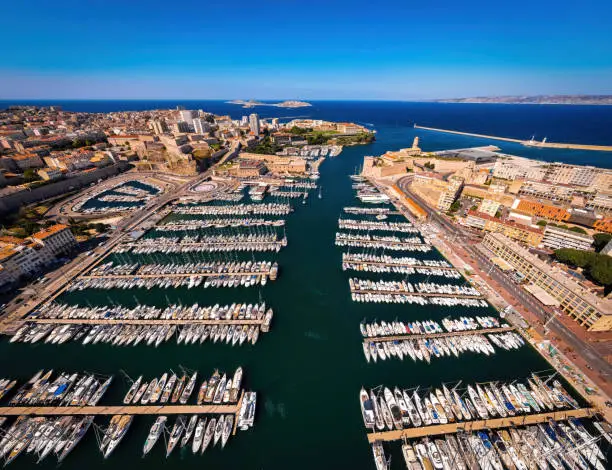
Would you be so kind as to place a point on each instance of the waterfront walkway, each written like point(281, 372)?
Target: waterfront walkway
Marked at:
point(438, 335)
point(436, 430)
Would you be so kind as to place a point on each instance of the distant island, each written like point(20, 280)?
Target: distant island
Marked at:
point(284, 104)
point(537, 99)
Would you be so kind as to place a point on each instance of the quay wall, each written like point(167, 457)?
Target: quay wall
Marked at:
point(14, 201)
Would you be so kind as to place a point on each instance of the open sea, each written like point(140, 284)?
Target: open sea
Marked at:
point(309, 368)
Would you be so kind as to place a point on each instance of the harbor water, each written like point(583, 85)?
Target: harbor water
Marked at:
point(307, 370)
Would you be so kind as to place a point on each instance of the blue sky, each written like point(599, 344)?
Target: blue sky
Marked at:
point(386, 49)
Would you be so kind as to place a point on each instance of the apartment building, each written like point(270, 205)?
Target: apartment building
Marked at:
point(588, 310)
point(549, 191)
point(523, 233)
point(56, 240)
point(600, 202)
point(450, 194)
point(603, 225)
point(489, 207)
point(19, 258)
point(557, 237)
point(546, 211)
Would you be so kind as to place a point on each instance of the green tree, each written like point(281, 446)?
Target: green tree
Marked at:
point(601, 269)
point(578, 230)
point(541, 223)
point(30, 175)
point(600, 240)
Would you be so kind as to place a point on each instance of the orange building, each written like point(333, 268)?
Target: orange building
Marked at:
point(546, 211)
point(603, 225)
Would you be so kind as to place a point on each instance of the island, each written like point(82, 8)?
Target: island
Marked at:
point(537, 99)
point(284, 104)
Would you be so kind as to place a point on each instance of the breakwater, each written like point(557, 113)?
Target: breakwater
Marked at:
point(527, 143)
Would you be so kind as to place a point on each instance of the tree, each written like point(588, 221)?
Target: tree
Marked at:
point(601, 269)
point(541, 223)
point(455, 206)
point(578, 230)
point(600, 240)
point(30, 175)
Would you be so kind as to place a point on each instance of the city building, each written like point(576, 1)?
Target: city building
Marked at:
point(449, 195)
point(56, 240)
point(579, 303)
point(159, 126)
point(248, 168)
point(489, 206)
point(200, 126)
point(48, 174)
point(186, 115)
point(182, 127)
point(546, 211)
point(523, 233)
point(603, 225)
point(254, 123)
point(557, 237)
point(600, 202)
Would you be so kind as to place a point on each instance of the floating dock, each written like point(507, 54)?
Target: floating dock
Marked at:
point(446, 334)
point(451, 428)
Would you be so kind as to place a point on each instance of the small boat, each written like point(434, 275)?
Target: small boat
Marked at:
point(219, 429)
point(177, 430)
point(189, 430)
point(132, 391)
point(198, 436)
point(227, 429)
point(156, 430)
point(208, 435)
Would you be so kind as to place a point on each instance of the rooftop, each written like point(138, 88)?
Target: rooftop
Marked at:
point(47, 232)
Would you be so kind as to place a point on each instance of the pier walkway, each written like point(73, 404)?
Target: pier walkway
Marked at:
point(118, 410)
point(155, 409)
point(416, 294)
point(174, 275)
point(394, 265)
point(438, 335)
point(436, 430)
point(119, 321)
point(378, 242)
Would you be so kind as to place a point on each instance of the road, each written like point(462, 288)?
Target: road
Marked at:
point(528, 302)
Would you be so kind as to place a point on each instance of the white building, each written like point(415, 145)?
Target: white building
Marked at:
point(186, 115)
point(200, 126)
point(55, 240)
point(489, 206)
point(556, 238)
point(254, 123)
